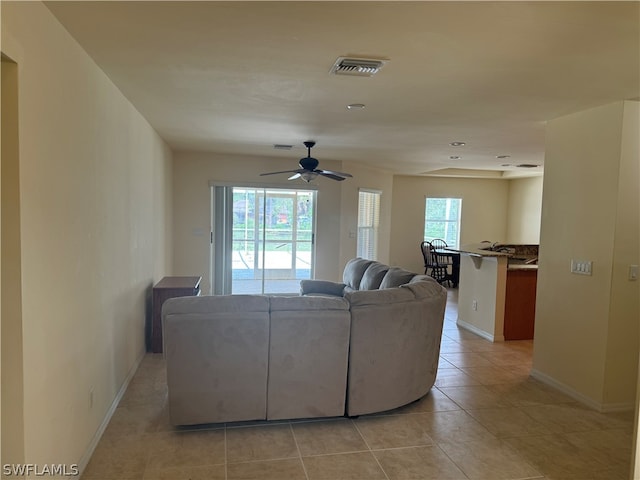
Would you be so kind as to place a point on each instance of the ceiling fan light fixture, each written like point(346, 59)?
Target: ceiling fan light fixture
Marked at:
point(308, 176)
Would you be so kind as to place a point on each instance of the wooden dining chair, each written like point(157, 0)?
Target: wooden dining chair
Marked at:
point(438, 243)
point(431, 265)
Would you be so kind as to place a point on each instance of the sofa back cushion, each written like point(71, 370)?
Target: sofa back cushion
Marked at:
point(373, 275)
point(203, 337)
point(308, 357)
point(424, 286)
point(353, 272)
point(379, 297)
point(395, 277)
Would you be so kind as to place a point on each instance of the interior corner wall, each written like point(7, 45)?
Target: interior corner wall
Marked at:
point(524, 211)
point(372, 179)
point(12, 414)
point(484, 213)
point(93, 208)
point(623, 339)
point(579, 221)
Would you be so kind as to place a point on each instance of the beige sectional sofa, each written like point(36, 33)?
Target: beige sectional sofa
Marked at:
point(337, 349)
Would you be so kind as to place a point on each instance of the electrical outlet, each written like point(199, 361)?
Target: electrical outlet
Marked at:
point(633, 272)
point(474, 305)
point(90, 398)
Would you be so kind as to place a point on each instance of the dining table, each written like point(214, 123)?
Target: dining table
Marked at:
point(449, 257)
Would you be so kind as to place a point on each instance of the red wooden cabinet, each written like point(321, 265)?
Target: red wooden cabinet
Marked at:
point(520, 304)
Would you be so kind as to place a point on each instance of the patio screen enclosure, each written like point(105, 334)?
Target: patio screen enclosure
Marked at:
point(263, 239)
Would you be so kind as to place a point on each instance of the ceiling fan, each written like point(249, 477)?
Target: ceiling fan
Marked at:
point(309, 168)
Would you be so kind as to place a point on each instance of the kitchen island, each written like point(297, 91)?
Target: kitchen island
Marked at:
point(496, 297)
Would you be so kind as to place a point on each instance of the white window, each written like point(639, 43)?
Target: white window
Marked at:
point(368, 221)
point(442, 220)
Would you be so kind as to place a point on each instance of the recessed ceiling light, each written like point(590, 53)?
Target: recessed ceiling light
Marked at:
point(457, 144)
point(503, 156)
point(454, 157)
point(356, 106)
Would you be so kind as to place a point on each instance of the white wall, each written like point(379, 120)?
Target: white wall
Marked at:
point(484, 213)
point(586, 337)
point(485, 283)
point(193, 174)
point(11, 275)
point(524, 210)
point(95, 217)
point(367, 178)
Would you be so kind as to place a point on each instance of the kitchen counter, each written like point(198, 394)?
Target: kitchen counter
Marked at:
point(519, 257)
point(480, 250)
point(487, 306)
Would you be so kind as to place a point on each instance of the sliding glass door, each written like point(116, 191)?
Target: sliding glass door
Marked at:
point(263, 239)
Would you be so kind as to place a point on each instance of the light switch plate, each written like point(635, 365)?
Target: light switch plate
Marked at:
point(633, 272)
point(581, 267)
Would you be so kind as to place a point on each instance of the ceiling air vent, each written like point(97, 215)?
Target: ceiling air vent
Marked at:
point(360, 67)
point(527, 165)
point(281, 146)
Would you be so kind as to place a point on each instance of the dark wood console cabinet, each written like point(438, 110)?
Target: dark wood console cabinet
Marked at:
point(169, 287)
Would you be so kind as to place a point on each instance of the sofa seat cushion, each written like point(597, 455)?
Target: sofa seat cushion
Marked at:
point(353, 272)
point(373, 275)
point(395, 277)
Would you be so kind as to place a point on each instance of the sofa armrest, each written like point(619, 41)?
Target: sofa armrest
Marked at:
point(322, 287)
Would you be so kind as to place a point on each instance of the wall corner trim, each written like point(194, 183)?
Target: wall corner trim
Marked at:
point(589, 402)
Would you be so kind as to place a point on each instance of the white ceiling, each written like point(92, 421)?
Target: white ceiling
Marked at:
point(239, 77)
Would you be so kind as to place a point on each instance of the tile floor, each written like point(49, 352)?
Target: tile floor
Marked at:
point(484, 419)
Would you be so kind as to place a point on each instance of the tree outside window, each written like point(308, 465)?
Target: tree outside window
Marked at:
point(442, 220)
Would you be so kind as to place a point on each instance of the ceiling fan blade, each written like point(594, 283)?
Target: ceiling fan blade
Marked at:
point(293, 177)
point(324, 173)
point(332, 172)
point(284, 171)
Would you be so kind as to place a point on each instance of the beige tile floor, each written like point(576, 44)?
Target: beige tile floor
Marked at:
point(484, 419)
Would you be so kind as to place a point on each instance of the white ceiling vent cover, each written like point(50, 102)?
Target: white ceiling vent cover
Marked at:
point(360, 67)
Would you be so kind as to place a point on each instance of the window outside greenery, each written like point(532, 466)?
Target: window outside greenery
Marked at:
point(442, 220)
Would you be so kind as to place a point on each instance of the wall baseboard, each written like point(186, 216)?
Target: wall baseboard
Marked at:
point(481, 333)
point(84, 461)
point(589, 402)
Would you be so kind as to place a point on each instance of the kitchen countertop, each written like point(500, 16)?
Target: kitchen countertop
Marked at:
point(479, 249)
point(482, 250)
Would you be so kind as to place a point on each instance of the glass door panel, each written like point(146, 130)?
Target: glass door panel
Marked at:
point(272, 240)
